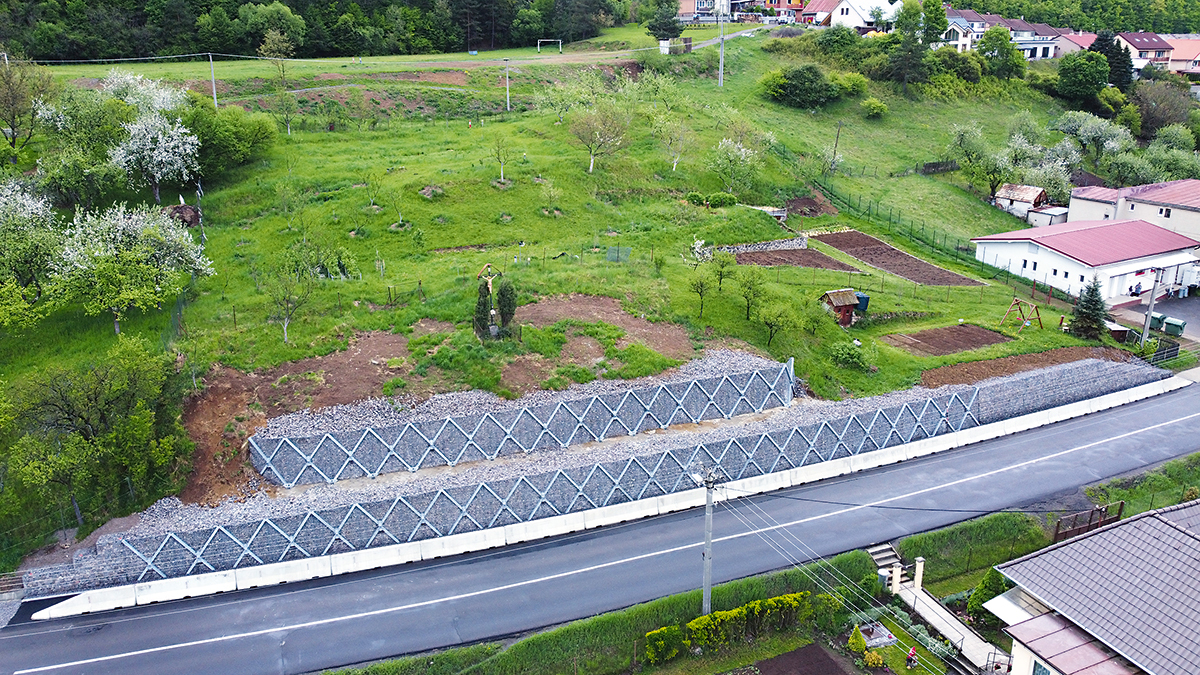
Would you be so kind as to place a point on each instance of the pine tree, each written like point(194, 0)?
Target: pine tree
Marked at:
point(483, 311)
point(857, 643)
point(506, 301)
point(1120, 69)
point(1090, 312)
point(665, 24)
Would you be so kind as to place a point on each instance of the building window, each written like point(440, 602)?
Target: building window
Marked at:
point(1054, 272)
point(1039, 669)
point(1164, 212)
point(845, 11)
point(1158, 54)
point(1045, 52)
point(1024, 264)
point(1143, 55)
point(1034, 265)
point(1081, 278)
point(1131, 207)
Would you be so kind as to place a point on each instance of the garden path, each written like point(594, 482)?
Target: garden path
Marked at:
point(974, 648)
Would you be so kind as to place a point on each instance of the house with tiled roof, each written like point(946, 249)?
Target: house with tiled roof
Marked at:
point(857, 13)
point(1146, 48)
point(1068, 255)
point(1185, 56)
point(1120, 600)
point(1069, 42)
point(1174, 205)
point(817, 11)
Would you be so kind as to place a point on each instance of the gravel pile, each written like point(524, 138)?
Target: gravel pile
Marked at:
point(776, 245)
point(380, 413)
point(7, 611)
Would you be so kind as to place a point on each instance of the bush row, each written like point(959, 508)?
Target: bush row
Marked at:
point(716, 200)
point(719, 629)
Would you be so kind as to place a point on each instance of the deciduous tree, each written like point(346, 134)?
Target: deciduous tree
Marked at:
point(724, 267)
point(778, 317)
point(277, 48)
point(502, 152)
point(752, 285)
point(24, 85)
point(158, 150)
point(701, 285)
point(734, 164)
point(1082, 75)
point(601, 130)
point(30, 238)
point(1003, 59)
point(290, 281)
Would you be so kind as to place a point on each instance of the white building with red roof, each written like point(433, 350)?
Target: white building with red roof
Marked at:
point(1185, 56)
point(1174, 205)
point(1121, 253)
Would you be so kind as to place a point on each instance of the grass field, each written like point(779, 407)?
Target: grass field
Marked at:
point(554, 207)
point(1164, 486)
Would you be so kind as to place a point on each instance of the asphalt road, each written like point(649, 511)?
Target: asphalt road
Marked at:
point(306, 627)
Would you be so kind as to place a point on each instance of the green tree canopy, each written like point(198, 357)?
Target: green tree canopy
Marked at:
point(1082, 75)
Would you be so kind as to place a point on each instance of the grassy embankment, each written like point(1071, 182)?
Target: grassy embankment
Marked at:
point(633, 200)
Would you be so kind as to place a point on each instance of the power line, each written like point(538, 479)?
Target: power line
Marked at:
point(896, 508)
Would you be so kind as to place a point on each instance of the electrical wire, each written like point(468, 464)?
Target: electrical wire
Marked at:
point(832, 502)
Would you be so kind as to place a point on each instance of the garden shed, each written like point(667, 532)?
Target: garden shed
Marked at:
point(1019, 200)
point(843, 303)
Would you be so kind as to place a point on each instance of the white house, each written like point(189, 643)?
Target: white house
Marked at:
point(1072, 42)
point(817, 11)
point(1121, 599)
point(1146, 48)
point(857, 13)
point(1174, 205)
point(1122, 254)
point(959, 34)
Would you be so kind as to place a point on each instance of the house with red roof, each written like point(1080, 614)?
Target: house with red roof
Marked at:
point(1174, 205)
point(1122, 254)
point(1072, 42)
point(1146, 48)
point(817, 11)
point(1185, 56)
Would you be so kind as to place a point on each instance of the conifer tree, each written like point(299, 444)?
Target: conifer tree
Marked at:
point(1091, 312)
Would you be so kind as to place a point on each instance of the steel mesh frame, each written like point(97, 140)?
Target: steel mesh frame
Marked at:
point(503, 502)
point(335, 456)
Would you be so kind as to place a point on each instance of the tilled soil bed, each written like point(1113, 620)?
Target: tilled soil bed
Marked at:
point(878, 254)
point(977, 371)
point(804, 257)
point(946, 340)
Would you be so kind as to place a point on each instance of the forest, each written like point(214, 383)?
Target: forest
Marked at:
point(104, 29)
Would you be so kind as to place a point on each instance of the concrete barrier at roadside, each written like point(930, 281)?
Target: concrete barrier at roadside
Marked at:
point(100, 600)
point(300, 570)
point(284, 572)
point(162, 590)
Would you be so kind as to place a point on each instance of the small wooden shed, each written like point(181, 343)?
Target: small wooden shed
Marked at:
point(843, 303)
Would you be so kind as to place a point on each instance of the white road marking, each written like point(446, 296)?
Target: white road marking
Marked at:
point(592, 568)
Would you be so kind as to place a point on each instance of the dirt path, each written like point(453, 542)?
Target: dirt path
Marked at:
point(977, 371)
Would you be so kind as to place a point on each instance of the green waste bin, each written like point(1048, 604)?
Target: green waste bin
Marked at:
point(1156, 320)
point(1173, 326)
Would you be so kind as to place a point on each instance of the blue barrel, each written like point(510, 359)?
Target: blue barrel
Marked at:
point(863, 300)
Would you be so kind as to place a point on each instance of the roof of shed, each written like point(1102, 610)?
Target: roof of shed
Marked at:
point(841, 298)
point(1101, 242)
point(1020, 193)
point(1131, 585)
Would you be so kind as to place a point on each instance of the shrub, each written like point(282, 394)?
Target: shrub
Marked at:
point(873, 107)
point(664, 644)
point(1191, 494)
point(506, 301)
point(990, 586)
point(721, 199)
point(695, 198)
point(873, 659)
point(799, 86)
point(393, 385)
point(828, 612)
point(850, 84)
point(847, 355)
point(857, 643)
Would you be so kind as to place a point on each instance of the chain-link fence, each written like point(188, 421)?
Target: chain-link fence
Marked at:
point(446, 442)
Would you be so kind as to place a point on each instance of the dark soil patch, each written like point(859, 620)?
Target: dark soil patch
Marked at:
point(430, 191)
point(455, 249)
point(813, 659)
point(800, 257)
point(526, 373)
point(456, 77)
point(878, 254)
point(667, 339)
point(811, 207)
point(946, 340)
point(583, 350)
point(976, 371)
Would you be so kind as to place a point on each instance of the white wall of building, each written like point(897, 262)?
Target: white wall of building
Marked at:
point(1023, 660)
point(1086, 209)
point(1183, 221)
point(1045, 266)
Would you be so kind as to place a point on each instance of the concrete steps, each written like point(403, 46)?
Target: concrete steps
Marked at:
point(885, 556)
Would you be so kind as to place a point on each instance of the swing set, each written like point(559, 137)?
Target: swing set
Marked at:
point(1021, 307)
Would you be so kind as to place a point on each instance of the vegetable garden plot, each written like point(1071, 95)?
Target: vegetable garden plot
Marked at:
point(878, 254)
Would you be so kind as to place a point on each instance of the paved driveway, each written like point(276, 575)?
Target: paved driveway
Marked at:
point(1187, 309)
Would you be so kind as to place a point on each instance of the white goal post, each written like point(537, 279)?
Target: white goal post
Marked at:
point(539, 45)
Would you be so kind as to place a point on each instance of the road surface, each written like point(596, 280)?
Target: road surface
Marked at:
point(306, 627)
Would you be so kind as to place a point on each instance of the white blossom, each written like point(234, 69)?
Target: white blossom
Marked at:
point(158, 150)
point(148, 96)
point(165, 242)
point(20, 209)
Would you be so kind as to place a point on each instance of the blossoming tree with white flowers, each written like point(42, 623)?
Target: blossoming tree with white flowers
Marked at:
point(157, 151)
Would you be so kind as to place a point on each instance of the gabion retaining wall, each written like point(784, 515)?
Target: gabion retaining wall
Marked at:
point(120, 560)
point(447, 442)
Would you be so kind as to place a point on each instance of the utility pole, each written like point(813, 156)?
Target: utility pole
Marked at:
point(1153, 292)
point(721, 31)
point(707, 477)
point(212, 77)
point(507, 100)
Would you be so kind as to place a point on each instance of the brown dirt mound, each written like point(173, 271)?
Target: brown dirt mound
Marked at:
point(946, 340)
point(878, 254)
point(800, 257)
point(666, 338)
point(811, 207)
point(234, 404)
point(976, 371)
